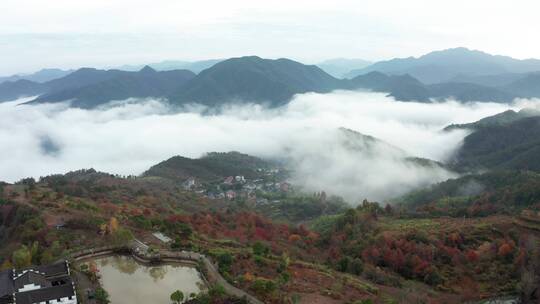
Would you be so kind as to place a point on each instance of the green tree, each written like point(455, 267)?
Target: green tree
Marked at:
point(102, 297)
point(263, 286)
point(122, 236)
point(225, 261)
point(217, 291)
point(343, 264)
point(177, 297)
point(260, 249)
point(34, 253)
point(31, 228)
point(185, 230)
point(22, 257)
point(356, 266)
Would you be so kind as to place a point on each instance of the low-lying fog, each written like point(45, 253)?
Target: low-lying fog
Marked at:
point(128, 139)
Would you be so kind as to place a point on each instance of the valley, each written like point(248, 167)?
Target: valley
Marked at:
point(465, 239)
point(246, 179)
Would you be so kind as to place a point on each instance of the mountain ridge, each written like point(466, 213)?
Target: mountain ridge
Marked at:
point(444, 65)
point(40, 76)
point(255, 80)
point(509, 141)
point(119, 86)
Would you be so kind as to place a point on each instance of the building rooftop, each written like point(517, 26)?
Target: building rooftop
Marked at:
point(50, 270)
point(45, 294)
point(6, 284)
point(31, 277)
point(38, 284)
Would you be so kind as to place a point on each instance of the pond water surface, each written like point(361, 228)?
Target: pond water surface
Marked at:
point(129, 282)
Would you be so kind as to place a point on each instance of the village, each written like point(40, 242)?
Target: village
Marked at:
point(259, 190)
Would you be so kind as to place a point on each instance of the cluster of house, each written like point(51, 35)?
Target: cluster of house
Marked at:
point(237, 186)
point(49, 284)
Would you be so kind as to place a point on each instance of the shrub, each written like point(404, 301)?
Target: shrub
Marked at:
point(378, 276)
point(260, 249)
point(433, 278)
point(259, 260)
point(102, 297)
point(356, 266)
point(343, 264)
point(177, 296)
point(263, 287)
point(217, 291)
point(225, 260)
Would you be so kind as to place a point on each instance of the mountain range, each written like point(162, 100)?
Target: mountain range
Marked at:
point(89, 88)
point(39, 76)
point(46, 75)
point(275, 82)
point(451, 65)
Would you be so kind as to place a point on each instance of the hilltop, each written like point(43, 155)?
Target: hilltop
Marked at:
point(89, 88)
point(514, 144)
point(210, 167)
point(253, 79)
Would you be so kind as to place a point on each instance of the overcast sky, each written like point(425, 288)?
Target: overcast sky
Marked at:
point(71, 33)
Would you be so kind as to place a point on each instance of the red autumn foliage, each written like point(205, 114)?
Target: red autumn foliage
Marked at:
point(293, 238)
point(472, 256)
point(505, 249)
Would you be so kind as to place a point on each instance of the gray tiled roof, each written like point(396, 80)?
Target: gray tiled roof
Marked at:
point(45, 294)
point(6, 283)
point(31, 277)
point(54, 281)
point(49, 270)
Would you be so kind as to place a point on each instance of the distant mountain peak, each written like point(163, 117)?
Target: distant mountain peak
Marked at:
point(254, 79)
point(50, 70)
point(449, 64)
point(83, 71)
point(40, 76)
point(459, 49)
point(458, 52)
point(147, 70)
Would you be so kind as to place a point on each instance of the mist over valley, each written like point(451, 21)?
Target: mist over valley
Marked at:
point(269, 152)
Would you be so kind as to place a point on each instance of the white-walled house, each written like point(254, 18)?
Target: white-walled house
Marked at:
point(49, 284)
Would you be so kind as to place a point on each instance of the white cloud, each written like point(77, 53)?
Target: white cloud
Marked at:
point(45, 139)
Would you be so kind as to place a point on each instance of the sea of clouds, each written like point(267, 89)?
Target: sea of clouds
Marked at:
point(131, 136)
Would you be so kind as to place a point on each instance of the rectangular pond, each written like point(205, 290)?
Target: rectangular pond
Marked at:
point(130, 282)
